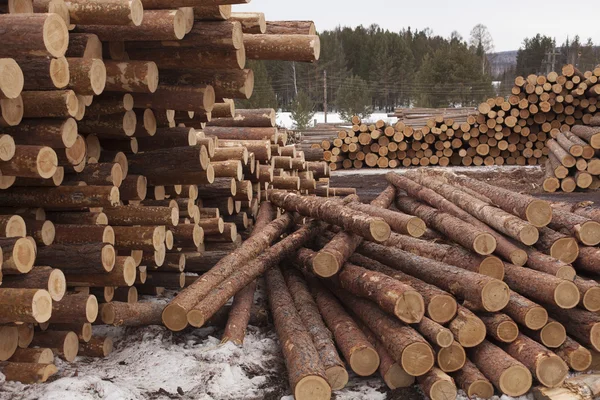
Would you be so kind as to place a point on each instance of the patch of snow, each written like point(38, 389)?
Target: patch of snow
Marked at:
point(284, 119)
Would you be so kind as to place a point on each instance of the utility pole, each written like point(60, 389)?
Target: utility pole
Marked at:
point(325, 94)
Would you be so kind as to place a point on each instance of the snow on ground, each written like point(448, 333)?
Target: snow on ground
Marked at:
point(284, 119)
point(456, 169)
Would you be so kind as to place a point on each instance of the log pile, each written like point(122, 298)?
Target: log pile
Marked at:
point(124, 162)
point(548, 120)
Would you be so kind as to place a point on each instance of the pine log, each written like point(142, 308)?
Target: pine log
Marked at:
point(237, 322)
point(437, 385)
point(580, 324)
point(96, 347)
point(179, 159)
point(27, 373)
point(84, 234)
point(83, 330)
point(306, 373)
point(33, 356)
point(25, 335)
point(78, 259)
point(44, 73)
point(291, 28)
point(500, 326)
point(242, 277)
point(156, 25)
point(586, 230)
point(336, 373)
point(260, 148)
point(435, 333)
point(473, 382)
point(11, 111)
point(87, 76)
point(55, 133)
point(480, 292)
point(19, 255)
point(131, 76)
point(198, 98)
point(11, 79)
point(52, 280)
point(404, 344)
point(123, 274)
point(63, 343)
point(451, 358)
point(467, 328)
point(549, 369)
point(552, 335)
point(146, 238)
point(399, 222)
point(440, 306)
point(577, 357)
point(234, 83)
point(9, 341)
point(62, 197)
point(76, 218)
point(507, 374)
point(302, 48)
point(79, 308)
point(31, 162)
point(588, 133)
point(559, 246)
point(40, 35)
point(49, 104)
point(251, 118)
point(169, 137)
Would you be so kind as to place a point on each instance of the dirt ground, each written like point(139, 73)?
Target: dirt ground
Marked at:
point(370, 182)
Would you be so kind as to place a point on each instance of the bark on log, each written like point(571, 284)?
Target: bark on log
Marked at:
point(80, 308)
point(62, 197)
point(251, 118)
point(33, 356)
point(31, 162)
point(96, 347)
point(50, 104)
point(577, 357)
point(77, 218)
point(123, 274)
point(580, 324)
point(435, 333)
point(55, 133)
point(526, 312)
point(467, 328)
point(587, 231)
point(34, 35)
point(473, 382)
point(78, 259)
point(9, 341)
point(199, 98)
point(234, 84)
point(508, 375)
point(291, 28)
point(131, 76)
point(437, 385)
point(500, 326)
point(52, 280)
point(19, 255)
point(305, 370)
point(63, 343)
point(83, 331)
point(44, 73)
point(399, 222)
point(87, 76)
point(146, 238)
point(25, 305)
point(131, 314)
point(27, 373)
point(302, 48)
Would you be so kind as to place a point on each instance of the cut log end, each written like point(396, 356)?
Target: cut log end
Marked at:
point(566, 295)
point(86, 332)
point(108, 257)
point(495, 296)
point(551, 371)
point(539, 213)
point(137, 12)
point(580, 359)
point(493, 267)
point(589, 233)
point(519, 257)
point(471, 333)
point(553, 335)
point(536, 318)
point(337, 377)
point(507, 331)
point(410, 308)
point(325, 265)
point(529, 235)
point(452, 358)
point(442, 390)
point(396, 377)
point(56, 35)
point(57, 284)
point(174, 317)
point(380, 231)
point(481, 388)
point(566, 272)
point(365, 361)
point(47, 162)
point(312, 388)
point(442, 308)
point(417, 359)
point(484, 244)
point(91, 308)
point(591, 299)
point(11, 78)
point(595, 336)
point(416, 227)
point(9, 341)
point(565, 249)
point(23, 255)
point(70, 347)
point(515, 381)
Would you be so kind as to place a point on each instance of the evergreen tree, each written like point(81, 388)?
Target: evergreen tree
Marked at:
point(531, 55)
point(302, 111)
point(354, 98)
point(263, 95)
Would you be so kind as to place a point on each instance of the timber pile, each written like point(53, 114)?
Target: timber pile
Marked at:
point(124, 162)
point(432, 282)
point(541, 113)
point(418, 117)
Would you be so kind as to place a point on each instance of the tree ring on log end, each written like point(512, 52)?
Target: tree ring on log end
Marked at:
point(591, 299)
point(15, 227)
point(91, 308)
point(451, 359)
point(481, 388)
point(23, 255)
point(107, 346)
point(551, 371)
point(86, 332)
point(70, 346)
point(566, 272)
point(41, 306)
point(137, 12)
point(507, 331)
point(179, 24)
point(56, 35)
point(588, 233)
point(495, 295)
point(108, 256)
point(325, 264)
point(539, 213)
point(444, 338)
point(566, 295)
point(565, 249)
point(410, 307)
point(109, 293)
point(69, 133)
point(416, 227)
point(97, 76)
point(529, 235)
point(7, 147)
point(580, 359)
point(442, 390)
point(11, 78)
point(48, 233)
point(57, 284)
point(129, 271)
point(170, 240)
point(519, 257)
point(159, 255)
point(312, 388)
point(12, 111)
point(515, 381)
point(396, 377)
point(47, 162)
point(536, 318)
point(472, 332)
point(108, 235)
point(442, 308)
point(195, 318)
point(149, 121)
point(129, 122)
point(595, 336)
point(493, 267)
point(484, 244)
point(380, 230)
point(364, 361)
point(107, 313)
point(417, 359)
point(553, 335)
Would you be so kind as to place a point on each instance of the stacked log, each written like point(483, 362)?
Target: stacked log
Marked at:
point(547, 119)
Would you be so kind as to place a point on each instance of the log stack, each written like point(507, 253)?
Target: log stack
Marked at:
point(553, 114)
point(124, 162)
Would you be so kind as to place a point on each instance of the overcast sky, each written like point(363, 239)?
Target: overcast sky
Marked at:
point(509, 21)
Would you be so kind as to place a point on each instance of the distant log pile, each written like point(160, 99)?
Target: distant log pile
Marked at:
point(548, 120)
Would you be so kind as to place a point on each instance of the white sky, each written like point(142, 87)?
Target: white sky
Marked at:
point(509, 21)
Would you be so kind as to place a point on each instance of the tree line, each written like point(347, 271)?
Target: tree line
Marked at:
point(369, 68)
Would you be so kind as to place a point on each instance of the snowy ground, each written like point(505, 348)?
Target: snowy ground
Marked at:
point(284, 119)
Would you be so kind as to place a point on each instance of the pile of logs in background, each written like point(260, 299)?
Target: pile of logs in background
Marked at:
point(543, 115)
point(124, 162)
